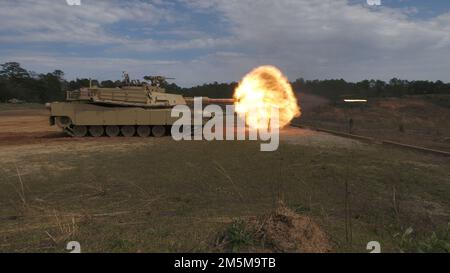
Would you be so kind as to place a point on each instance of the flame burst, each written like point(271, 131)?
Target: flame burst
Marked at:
point(259, 91)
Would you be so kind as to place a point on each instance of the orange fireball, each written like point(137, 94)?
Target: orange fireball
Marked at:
point(261, 90)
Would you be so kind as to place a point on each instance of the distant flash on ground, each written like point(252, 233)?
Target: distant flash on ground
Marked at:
point(354, 100)
point(262, 89)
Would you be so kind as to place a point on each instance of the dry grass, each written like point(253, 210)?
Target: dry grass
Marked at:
point(282, 230)
point(158, 195)
point(286, 231)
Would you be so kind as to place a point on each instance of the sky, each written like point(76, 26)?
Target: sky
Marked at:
point(199, 41)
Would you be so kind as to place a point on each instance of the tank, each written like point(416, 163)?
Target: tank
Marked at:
point(135, 108)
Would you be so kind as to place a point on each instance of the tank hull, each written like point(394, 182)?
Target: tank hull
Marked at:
point(91, 114)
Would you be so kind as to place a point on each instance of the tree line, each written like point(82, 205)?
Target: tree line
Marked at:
point(19, 83)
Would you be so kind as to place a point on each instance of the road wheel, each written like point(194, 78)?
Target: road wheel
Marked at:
point(63, 122)
point(143, 131)
point(79, 130)
point(128, 131)
point(112, 131)
point(96, 130)
point(158, 130)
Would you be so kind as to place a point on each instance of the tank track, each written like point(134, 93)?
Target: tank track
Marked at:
point(117, 131)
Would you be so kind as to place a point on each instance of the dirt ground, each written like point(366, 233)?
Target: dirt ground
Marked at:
point(416, 121)
point(158, 195)
point(31, 126)
point(26, 133)
point(26, 127)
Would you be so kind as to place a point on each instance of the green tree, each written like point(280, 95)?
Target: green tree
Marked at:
point(13, 71)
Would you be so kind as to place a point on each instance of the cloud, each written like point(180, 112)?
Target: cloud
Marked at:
point(311, 39)
point(55, 21)
point(331, 38)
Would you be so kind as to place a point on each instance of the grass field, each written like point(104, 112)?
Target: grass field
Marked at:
point(158, 195)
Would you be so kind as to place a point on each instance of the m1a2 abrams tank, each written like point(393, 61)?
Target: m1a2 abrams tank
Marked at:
point(136, 108)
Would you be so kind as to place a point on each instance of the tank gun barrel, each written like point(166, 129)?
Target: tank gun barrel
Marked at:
point(207, 100)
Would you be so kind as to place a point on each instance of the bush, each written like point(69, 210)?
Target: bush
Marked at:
point(437, 242)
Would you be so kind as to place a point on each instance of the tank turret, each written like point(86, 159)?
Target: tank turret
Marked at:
point(151, 95)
